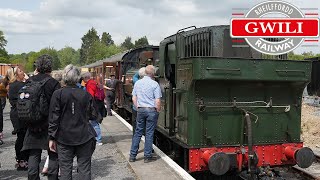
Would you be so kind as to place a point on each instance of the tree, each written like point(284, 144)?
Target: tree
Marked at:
point(97, 52)
point(106, 39)
point(127, 44)
point(4, 57)
point(68, 55)
point(54, 54)
point(87, 44)
point(3, 41)
point(141, 42)
point(31, 58)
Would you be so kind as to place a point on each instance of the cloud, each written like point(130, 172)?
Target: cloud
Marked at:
point(26, 22)
point(85, 9)
point(58, 23)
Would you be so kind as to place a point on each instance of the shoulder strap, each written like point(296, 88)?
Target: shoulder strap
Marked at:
point(44, 81)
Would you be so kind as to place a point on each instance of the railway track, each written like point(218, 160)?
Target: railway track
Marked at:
point(313, 172)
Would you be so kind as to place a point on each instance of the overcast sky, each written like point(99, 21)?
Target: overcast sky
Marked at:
point(30, 25)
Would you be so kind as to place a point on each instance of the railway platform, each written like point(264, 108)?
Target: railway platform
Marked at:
point(162, 168)
point(109, 161)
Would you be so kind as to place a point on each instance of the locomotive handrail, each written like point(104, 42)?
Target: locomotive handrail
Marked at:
point(284, 106)
point(223, 69)
point(291, 71)
point(234, 105)
point(186, 28)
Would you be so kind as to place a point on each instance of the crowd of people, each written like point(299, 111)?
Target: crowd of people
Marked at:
point(63, 117)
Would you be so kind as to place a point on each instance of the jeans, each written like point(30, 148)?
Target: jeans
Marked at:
point(146, 118)
point(96, 127)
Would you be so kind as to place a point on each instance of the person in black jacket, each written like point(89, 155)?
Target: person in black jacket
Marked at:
point(36, 138)
point(18, 81)
point(70, 132)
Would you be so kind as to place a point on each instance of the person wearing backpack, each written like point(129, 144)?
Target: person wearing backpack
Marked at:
point(37, 94)
point(17, 82)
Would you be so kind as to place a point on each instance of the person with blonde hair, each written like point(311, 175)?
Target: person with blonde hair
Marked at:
point(16, 82)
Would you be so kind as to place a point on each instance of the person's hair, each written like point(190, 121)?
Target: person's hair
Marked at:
point(44, 64)
point(80, 80)
point(11, 74)
point(71, 75)
point(142, 72)
point(58, 77)
point(86, 75)
point(150, 70)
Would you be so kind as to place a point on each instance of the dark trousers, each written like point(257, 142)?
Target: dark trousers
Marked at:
point(21, 155)
point(101, 108)
point(110, 101)
point(34, 161)
point(3, 102)
point(83, 152)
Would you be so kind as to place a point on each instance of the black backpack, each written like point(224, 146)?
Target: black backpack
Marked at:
point(32, 104)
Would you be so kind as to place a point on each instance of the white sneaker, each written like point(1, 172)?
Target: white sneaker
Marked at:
point(99, 144)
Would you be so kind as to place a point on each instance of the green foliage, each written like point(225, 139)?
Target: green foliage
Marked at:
point(101, 51)
point(88, 41)
point(106, 39)
point(54, 54)
point(3, 41)
point(3, 53)
point(141, 42)
point(31, 58)
point(19, 59)
point(92, 49)
point(4, 60)
point(127, 44)
point(68, 55)
point(302, 56)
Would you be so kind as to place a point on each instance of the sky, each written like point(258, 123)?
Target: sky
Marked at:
point(30, 25)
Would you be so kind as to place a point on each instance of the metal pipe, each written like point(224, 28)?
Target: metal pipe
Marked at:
point(249, 106)
point(250, 144)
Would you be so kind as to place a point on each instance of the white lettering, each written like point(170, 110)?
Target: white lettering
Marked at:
point(291, 42)
point(286, 46)
point(280, 27)
point(299, 27)
point(290, 11)
point(279, 47)
point(258, 43)
point(255, 30)
point(264, 46)
point(288, 28)
point(268, 26)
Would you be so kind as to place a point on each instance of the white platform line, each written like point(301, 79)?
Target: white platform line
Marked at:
point(181, 172)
